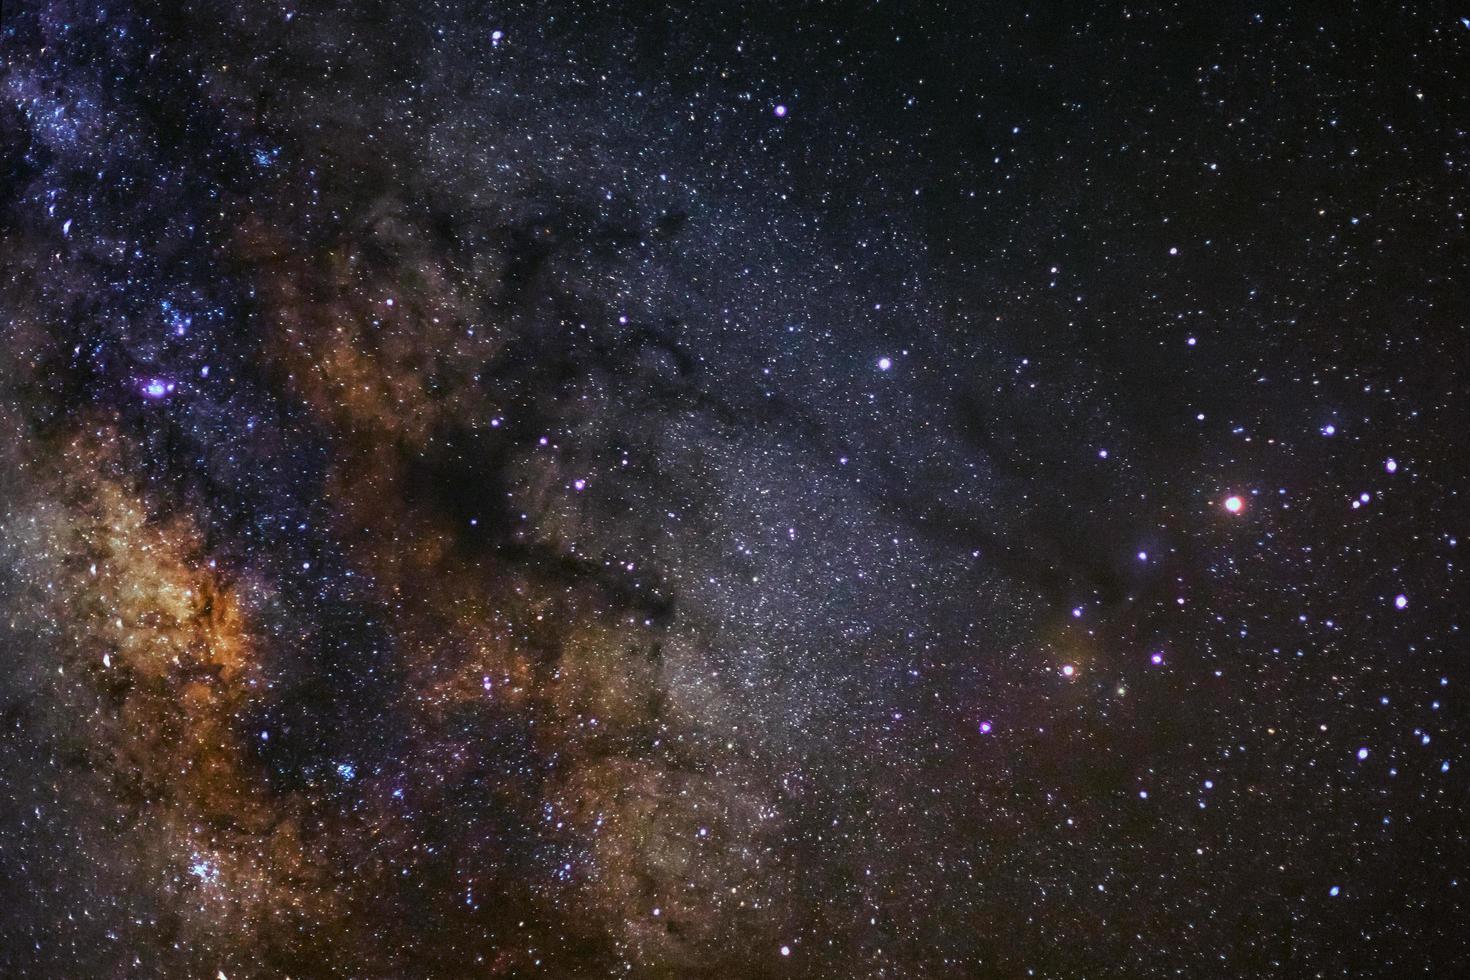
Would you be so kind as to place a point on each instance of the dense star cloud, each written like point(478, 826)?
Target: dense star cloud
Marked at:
point(583, 490)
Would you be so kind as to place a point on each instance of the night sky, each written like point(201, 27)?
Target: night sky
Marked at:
point(827, 490)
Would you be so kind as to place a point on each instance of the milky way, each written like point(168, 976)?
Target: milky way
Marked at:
point(836, 490)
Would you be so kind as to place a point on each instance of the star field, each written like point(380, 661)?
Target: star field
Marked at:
point(827, 490)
